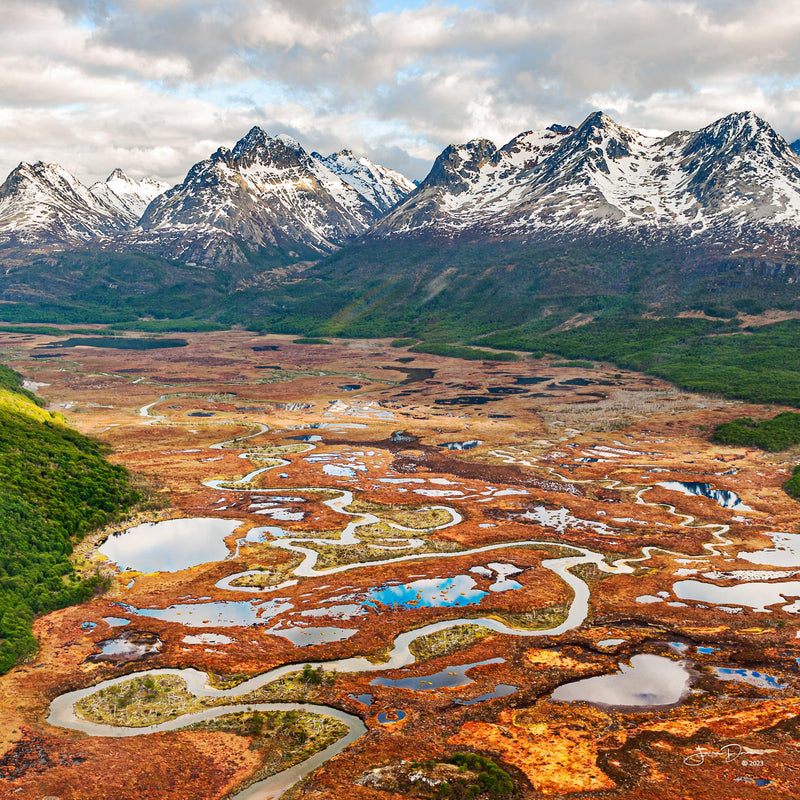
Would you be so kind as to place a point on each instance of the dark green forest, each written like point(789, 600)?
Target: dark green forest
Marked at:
point(759, 365)
point(773, 435)
point(463, 299)
point(57, 486)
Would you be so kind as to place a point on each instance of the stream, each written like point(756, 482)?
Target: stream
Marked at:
point(62, 709)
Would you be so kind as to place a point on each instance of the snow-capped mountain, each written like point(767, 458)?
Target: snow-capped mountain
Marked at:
point(130, 197)
point(267, 192)
point(380, 186)
point(736, 178)
point(43, 205)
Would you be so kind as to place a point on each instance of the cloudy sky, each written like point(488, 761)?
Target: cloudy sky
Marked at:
point(155, 85)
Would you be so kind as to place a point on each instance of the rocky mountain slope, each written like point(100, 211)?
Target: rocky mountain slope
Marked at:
point(44, 205)
point(267, 195)
point(382, 187)
point(128, 196)
point(736, 179)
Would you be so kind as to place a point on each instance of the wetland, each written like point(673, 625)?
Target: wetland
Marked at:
point(331, 584)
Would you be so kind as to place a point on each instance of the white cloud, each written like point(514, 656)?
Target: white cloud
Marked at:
point(154, 85)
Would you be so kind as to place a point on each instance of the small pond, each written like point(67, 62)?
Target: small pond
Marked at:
point(170, 546)
point(720, 496)
point(306, 637)
point(529, 380)
point(756, 595)
point(393, 715)
point(208, 638)
point(751, 676)
point(648, 680)
point(450, 677)
point(459, 590)
point(466, 400)
point(131, 646)
point(217, 614)
point(364, 699)
point(785, 553)
point(116, 622)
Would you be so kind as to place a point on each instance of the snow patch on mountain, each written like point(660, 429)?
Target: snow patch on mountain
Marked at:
point(130, 197)
point(734, 175)
point(381, 187)
point(267, 192)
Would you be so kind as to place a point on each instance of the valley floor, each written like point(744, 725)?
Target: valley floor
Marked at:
point(447, 544)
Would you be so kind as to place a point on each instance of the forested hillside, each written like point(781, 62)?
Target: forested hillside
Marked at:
point(56, 486)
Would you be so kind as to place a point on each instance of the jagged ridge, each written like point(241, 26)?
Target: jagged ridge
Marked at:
point(43, 204)
point(736, 178)
point(267, 193)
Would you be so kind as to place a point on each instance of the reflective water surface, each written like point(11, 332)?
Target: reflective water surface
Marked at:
point(170, 546)
point(648, 680)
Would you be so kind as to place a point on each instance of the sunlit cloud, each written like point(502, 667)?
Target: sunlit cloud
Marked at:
point(153, 86)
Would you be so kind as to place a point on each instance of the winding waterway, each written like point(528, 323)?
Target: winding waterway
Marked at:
point(62, 709)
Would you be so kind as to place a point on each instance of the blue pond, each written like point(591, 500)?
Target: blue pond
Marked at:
point(364, 699)
point(426, 593)
point(751, 676)
point(393, 715)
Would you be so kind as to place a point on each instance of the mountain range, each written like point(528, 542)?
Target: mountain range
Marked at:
point(266, 193)
point(736, 178)
point(572, 211)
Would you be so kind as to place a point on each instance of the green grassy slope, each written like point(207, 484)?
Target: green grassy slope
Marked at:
point(56, 486)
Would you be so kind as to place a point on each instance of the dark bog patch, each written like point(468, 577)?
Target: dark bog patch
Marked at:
point(31, 753)
point(415, 374)
point(527, 380)
point(439, 461)
point(115, 343)
point(504, 390)
point(467, 400)
point(263, 347)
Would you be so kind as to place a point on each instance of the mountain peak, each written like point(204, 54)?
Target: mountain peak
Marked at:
point(118, 175)
point(458, 164)
point(290, 142)
point(736, 174)
point(746, 124)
